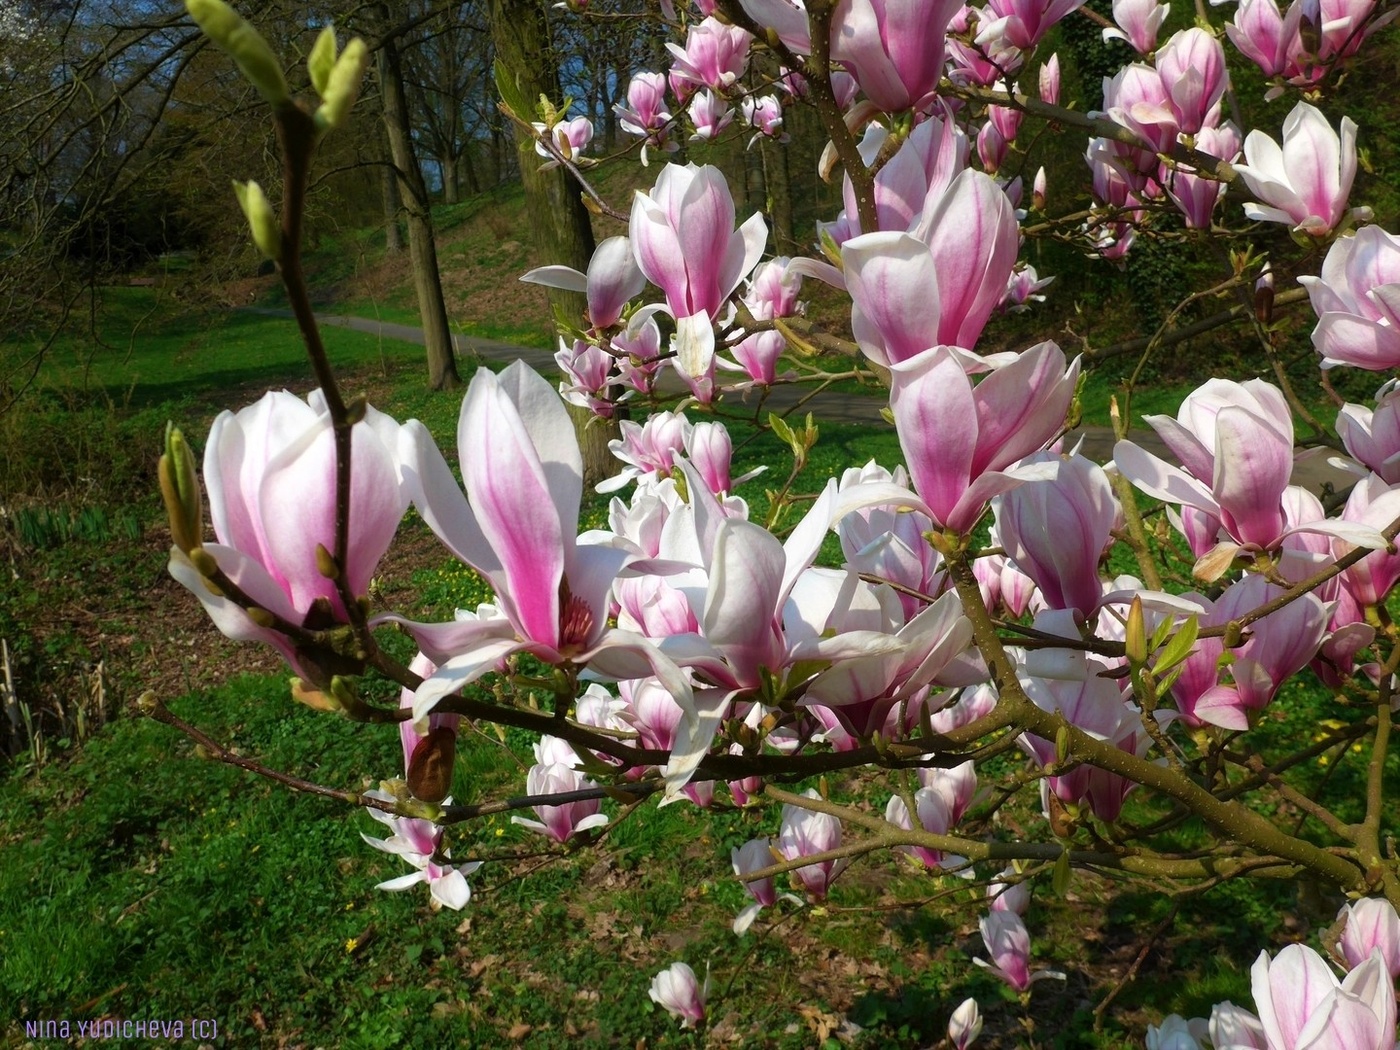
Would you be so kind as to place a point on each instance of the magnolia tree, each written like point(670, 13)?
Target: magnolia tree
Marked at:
point(694, 653)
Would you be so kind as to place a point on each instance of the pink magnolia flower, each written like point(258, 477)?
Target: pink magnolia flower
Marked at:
point(1002, 584)
point(937, 285)
point(562, 822)
point(1192, 67)
point(1306, 181)
point(1371, 926)
point(1009, 896)
point(587, 374)
point(269, 471)
point(894, 48)
point(991, 147)
point(1372, 502)
point(764, 114)
point(920, 172)
point(989, 59)
point(965, 1025)
point(1196, 195)
point(1049, 84)
point(805, 833)
point(1235, 1027)
point(1357, 301)
point(1278, 647)
point(1373, 436)
point(1024, 23)
point(710, 114)
point(715, 54)
point(862, 689)
point(685, 242)
point(1137, 98)
point(1009, 944)
point(1055, 530)
point(645, 113)
point(1096, 706)
point(1137, 23)
point(570, 137)
point(1301, 1003)
point(959, 440)
point(680, 994)
point(649, 449)
point(613, 279)
point(518, 526)
point(934, 817)
point(753, 856)
point(418, 841)
point(1266, 37)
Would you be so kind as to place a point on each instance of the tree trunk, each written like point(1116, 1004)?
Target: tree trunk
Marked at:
point(422, 250)
point(393, 206)
point(777, 179)
point(451, 180)
point(561, 226)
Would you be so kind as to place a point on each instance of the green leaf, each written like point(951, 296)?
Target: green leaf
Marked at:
point(1182, 645)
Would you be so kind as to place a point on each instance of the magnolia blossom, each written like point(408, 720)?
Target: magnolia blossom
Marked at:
point(554, 773)
point(965, 1025)
point(765, 115)
point(959, 440)
point(710, 114)
point(685, 242)
point(1177, 1033)
point(270, 473)
point(613, 279)
point(570, 137)
point(805, 833)
point(894, 48)
point(715, 54)
point(1301, 1003)
point(1055, 530)
point(1196, 195)
point(518, 526)
point(1266, 37)
point(418, 841)
point(1023, 23)
point(1306, 181)
point(680, 994)
point(1373, 436)
point(1357, 301)
point(1278, 647)
point(1370, 926)
point(1192, 67)
point(938, 285)
point(1009, 944)
point(1137, 23)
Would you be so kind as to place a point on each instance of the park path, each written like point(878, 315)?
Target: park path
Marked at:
point(828, 406)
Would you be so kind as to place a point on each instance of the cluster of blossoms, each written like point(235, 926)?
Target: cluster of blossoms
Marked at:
point(687, 643)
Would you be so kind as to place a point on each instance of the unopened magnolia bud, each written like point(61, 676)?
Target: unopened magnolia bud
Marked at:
point(355, 410)
point(343, 85)
point(267, 232)
point(203, 562)
point(322, 60)
point(147, 703)
point(325, 563)
point(223, 25)
point(420, 810)
point(261, 617)
point(1264, 296)
point(1038, 190)
point(430, 768)
point(179, 489)
point(305, 693)
point(1136, 634)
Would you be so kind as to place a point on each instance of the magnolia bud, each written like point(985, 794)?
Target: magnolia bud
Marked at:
point(305, 693)
point(223, 25)
point(322, 60)
point(430, 768)
point(1264, 296)
point(1136, 634)
point(179, 488)
point(267, 232)
point(343, 85)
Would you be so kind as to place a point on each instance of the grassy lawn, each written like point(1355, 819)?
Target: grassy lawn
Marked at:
point(138, 879)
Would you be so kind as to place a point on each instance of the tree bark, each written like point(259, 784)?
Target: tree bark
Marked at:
point(393, 207)
point(451, 180)
point(561, 228)
point(422, 250)
point(777, 181)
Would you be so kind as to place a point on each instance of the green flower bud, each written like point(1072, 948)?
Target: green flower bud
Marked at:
point(267, 232)
point(223, 25)
point(322, 60)
point(343, 85)
point(179, 488)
